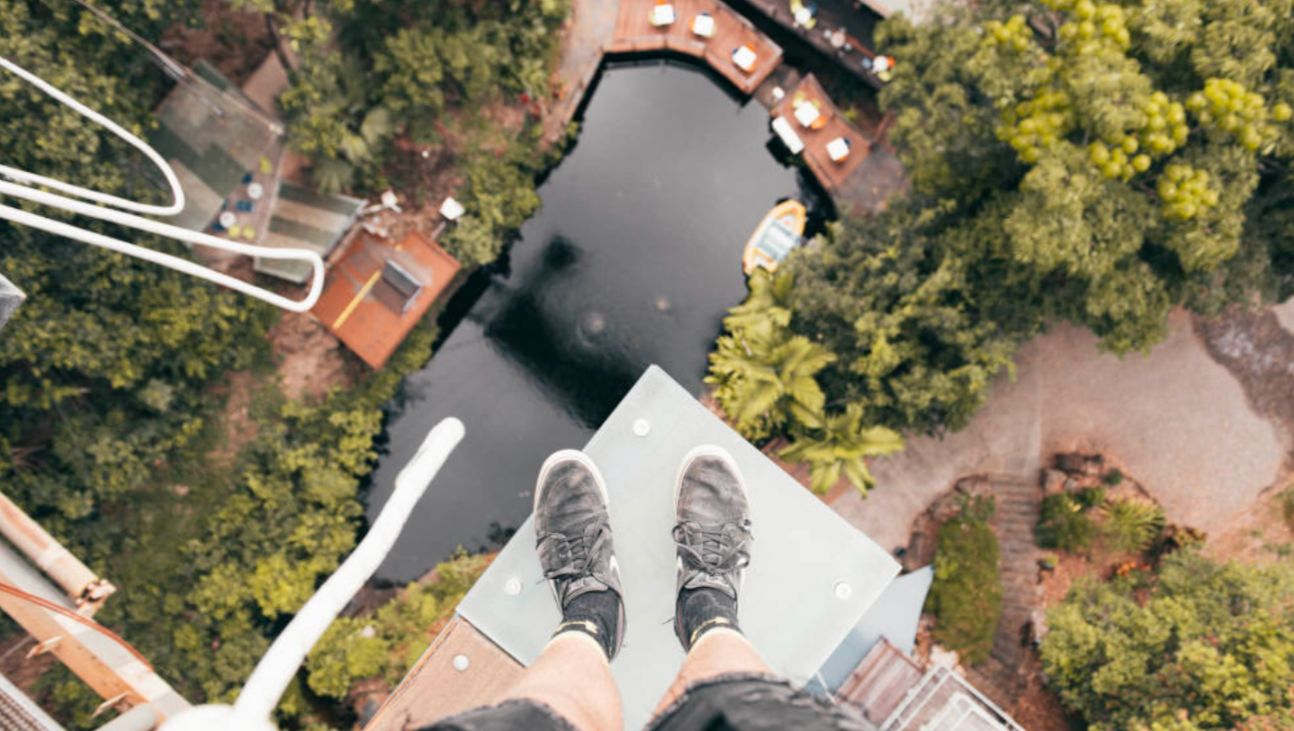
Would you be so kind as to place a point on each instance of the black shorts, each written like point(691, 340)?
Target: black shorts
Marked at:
point(742, 702)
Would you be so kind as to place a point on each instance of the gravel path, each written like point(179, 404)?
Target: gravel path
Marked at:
point(1178, 419)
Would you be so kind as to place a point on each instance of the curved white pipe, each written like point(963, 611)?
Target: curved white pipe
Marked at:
point(21, 189)
point(261, 693)
point(184, 265)
point(177, 194)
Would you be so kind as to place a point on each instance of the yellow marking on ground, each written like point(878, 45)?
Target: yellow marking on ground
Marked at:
point(359, 297)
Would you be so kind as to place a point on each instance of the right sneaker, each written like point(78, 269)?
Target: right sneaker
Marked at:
point(713, 540)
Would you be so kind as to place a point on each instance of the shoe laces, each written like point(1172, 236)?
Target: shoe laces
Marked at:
point(576, 553)
point(714, 549)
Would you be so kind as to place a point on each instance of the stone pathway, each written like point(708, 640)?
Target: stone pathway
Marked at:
point(1178, 418)
point(1018, 505)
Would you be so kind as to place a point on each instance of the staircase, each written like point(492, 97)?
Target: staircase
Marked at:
point(1018, 505)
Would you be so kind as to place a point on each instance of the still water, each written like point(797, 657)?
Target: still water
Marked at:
point(632, 260)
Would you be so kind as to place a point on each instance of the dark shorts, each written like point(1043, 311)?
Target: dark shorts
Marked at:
point(737, 702)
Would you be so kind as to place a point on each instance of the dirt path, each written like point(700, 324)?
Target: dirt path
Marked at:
point(1177, 418)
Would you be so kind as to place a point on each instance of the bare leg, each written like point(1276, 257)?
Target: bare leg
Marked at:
point(717, 652)
point(592, 703)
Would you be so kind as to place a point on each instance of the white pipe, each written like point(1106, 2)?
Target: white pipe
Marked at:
point(182, 265)
point(263, 689)
point(177, 194)
point(24, 191)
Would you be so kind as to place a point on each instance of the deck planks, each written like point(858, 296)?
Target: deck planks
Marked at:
point(831, 174)
point(634, 33)
point(433, 688)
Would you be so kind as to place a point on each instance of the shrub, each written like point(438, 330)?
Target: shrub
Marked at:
point(1131, 525)
point(1287, 506)
point(1202, 646)
point(1090, 497)
point(966, 597)
point(1112, 478)
point(1065, 524)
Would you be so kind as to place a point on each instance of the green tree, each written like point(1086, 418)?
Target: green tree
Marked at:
point(764, 376)
point(1209, 646)
point(839, 448)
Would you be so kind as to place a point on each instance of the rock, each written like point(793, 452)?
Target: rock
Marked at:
point(1053, 481)
point(1091, 465)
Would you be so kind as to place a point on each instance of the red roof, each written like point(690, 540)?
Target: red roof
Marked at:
point(377, 292)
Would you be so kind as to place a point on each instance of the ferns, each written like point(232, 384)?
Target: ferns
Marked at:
point(1131, 524)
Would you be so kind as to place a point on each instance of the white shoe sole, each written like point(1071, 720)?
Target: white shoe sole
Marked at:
point(723, 455)
point(566, 455)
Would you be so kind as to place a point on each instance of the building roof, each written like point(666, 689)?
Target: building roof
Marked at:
point(304, 219)
point(219, 143)
point(880, 682)
point(368, 302)
point(213, 137)
point(894, 618)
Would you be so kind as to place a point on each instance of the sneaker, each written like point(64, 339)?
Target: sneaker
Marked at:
point(573, 534)
point(713, 539)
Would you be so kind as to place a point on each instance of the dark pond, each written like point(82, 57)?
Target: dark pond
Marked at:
point(632, 260)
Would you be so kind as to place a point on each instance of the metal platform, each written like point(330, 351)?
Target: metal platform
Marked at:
point(812, 575)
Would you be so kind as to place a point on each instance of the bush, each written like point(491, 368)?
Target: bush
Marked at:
point(1287, 506)
point(966, 597)
point(1131, 525)
point(1112, 478)
point(1065, 524)
point(1090, 497)
point(1206, 646)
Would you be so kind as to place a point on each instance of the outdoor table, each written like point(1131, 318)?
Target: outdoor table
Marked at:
point(662, 15)
point(703, 25)
point(228, 219)
point(806, 113)
point(744, 57)
point(255, 191)
point(838, 149)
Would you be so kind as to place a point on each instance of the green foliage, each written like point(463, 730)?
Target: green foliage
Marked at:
point(386, 643)
point(1113, 478)
point(916, 350)
point(762, 374)
point(372, 74)
point(1065, 524)
point(966, 597)
point(1210, 647)
point(1131, 525)
point(839, 448)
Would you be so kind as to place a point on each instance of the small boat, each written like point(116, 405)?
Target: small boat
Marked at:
point(777, 234)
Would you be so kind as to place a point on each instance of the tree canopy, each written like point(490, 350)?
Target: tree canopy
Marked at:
point(1096, 162)
point(1205, 646)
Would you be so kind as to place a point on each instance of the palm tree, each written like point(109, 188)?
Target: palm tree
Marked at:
point(840, 447)
point(762, 374)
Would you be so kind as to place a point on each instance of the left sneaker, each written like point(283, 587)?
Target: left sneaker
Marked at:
point(575, 548)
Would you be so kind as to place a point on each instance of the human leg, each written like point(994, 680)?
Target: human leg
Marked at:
point(570, 685)
point(724, 683)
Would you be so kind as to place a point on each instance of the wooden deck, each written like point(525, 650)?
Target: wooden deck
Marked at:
point(434, 688)
point(829, 173)
point(634, 33)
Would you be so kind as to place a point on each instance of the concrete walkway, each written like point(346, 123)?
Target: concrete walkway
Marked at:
point(1205, 440)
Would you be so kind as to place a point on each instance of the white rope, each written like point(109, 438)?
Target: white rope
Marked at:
point(25, 179)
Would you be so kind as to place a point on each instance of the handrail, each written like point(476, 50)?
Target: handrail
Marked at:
point(23, 188)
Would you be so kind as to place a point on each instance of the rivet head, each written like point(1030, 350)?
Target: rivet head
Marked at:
point(512, 586)
point(844, 590)
point(642, 427)
point(462, 663)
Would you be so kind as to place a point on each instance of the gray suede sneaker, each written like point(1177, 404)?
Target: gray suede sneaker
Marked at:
point(573, 534)
point(713, 539)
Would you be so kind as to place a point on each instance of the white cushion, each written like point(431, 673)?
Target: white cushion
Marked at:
point(744, 57)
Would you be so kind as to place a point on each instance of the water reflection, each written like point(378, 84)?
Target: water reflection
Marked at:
point(632, 260)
